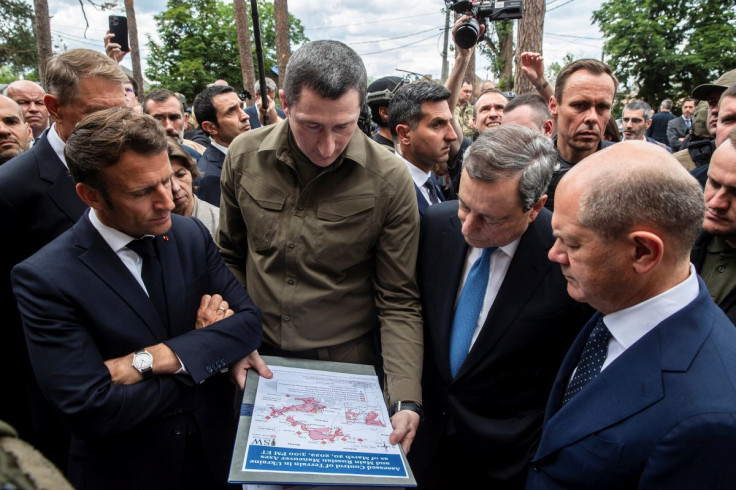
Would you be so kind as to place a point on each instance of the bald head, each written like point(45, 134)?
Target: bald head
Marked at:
point(15, 135)
point(29, 96)
point(634, 184)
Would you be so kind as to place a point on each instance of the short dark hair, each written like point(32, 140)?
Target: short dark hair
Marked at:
point(330, 68)
point(160, 95)
point(204, 109)
point(488, 91)
point(588, 64)
point(406, 105)
point(540, 108)
point(100, 139)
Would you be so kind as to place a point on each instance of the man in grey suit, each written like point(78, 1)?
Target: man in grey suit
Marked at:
point(487, 389)
point(678, 127)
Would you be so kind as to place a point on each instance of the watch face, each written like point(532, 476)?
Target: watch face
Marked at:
point(142, 361)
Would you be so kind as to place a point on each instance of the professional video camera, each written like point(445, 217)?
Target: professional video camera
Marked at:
point(482, 11)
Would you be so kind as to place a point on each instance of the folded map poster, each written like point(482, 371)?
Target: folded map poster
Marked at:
point(316, 423)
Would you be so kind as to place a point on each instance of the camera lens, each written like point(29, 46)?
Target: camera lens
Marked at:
point(467, 34)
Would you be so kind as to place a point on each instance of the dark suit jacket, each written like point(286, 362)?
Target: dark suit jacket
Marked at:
point(676, 128)
point(252, 112)
point(658, 129)
point(37, 203)
point(662, 415)
point(422, 201)
point(80, 306)
point(697, 257)
point(209, 186)
point(496, 402)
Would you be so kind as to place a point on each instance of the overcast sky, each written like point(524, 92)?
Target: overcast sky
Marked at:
point(387, 38)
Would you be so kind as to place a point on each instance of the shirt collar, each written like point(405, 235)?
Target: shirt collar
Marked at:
point(116, 239)
point(631, 324)
point(418, 175)
point(217, 145)
point(56, 144)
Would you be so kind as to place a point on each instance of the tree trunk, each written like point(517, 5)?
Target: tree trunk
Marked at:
point(283, 41)
point(531, 28)
point(42, 26)
point(135, 52)
point(507, 54)
point(246, 53)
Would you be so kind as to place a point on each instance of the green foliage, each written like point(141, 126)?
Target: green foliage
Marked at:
point(18, 52)
point(199, 44)
point(664, 48)
point(495, 49)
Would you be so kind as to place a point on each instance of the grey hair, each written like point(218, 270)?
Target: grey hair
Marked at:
point(510, 150)
point(270, 85)
point(640, 105)
point(667, 104)
point(406, 105)
point(672, 202)
point(538, 106)
point(330, 68)
point(65, 70)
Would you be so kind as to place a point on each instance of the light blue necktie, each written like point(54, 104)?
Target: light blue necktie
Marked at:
point(468, 309)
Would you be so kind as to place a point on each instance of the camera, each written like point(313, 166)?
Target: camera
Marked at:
point(482, 11)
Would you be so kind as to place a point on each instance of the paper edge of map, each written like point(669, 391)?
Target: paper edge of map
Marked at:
point(237, 475)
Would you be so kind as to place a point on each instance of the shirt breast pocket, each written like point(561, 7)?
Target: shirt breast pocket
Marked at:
point(344, 232)
point(261, 206)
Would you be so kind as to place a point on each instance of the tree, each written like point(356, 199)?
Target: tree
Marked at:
point(283, 43)
point(531, 27)
point(17, 40)
point(664, 48)
point(498, 46)
point(199, 44)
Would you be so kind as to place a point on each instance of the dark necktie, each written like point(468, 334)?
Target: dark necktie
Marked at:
point(152, 275)
point(433, 197)
point(594, 354)
point(468, 309)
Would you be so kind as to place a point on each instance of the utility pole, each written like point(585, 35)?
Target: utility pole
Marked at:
point(445, 61)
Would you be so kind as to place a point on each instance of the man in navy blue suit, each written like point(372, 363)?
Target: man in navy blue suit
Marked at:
point(421, 122)
point(109, 311)
point(645, 398)
point(37, 204)
point(220, 113)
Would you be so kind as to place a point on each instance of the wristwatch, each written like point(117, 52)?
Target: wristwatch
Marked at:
point(143, 362)
point(406, 405)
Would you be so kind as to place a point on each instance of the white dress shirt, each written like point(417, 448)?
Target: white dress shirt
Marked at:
point(500, 262)
point(56, 144)
point(419, 177)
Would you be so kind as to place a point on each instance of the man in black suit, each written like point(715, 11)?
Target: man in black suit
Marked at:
point(220, 113)
point(488, 372)
point(109, 311)
point(658, 129)
point(37, 204)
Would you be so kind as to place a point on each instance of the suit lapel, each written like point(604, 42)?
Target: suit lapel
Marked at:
point(632, 382)
point(527, 268)
point(61, 190)
point(173, 282)
point(453, 250)
point(105, 264)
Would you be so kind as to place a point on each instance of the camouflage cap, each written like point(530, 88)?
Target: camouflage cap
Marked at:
point(701, 92)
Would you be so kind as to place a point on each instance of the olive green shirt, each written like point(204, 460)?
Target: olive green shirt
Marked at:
point(719, 269)
point(331, 260)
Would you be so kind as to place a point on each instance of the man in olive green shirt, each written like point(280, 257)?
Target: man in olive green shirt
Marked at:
point(321, 226)
point(714, 252)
